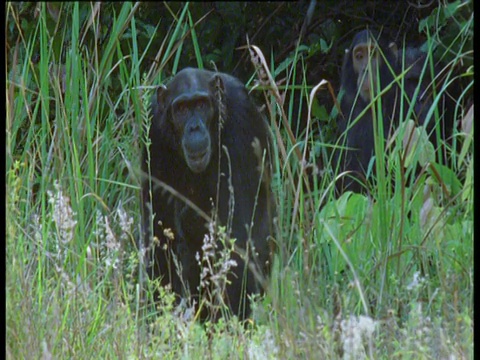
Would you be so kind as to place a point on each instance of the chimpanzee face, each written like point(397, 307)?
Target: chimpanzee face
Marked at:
point(366, 63)
point(191, 116)
point(188, 107)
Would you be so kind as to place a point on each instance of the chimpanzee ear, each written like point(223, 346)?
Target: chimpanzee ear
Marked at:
point(159, 104)
point(394, 49)
point(160, 98)
point(347, 56)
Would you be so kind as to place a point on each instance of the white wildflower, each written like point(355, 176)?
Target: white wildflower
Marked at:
point(215, 263)
point(63, 215)
point(355, 331)
point(416, 282)
point(124, 221)
point(112, 242)
point(267, 349)
point(108, 243)
point(227, 265)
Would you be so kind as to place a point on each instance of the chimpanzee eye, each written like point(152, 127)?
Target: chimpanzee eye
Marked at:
point(181, 109)
point(201, 106)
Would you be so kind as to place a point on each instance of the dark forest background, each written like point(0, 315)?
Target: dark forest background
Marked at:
point(316, 32)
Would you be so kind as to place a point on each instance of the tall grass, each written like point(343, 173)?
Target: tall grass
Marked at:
point(386, 276)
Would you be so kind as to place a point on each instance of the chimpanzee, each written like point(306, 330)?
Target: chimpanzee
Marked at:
point(372, 66)
point(359, 84)
point(211, 147)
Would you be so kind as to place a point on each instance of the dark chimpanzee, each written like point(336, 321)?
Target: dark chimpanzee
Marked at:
point(211, 147)
point(359, 84)
point(372, 66)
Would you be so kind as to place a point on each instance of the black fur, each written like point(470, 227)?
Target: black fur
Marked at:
point(360, 137)
point(242, 124)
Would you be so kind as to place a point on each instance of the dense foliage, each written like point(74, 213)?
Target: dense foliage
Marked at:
point(379, 276)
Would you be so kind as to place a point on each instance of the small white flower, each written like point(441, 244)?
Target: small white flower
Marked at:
point(63, 215)
point(354, 331)
point(124, 221)
point(416, 282)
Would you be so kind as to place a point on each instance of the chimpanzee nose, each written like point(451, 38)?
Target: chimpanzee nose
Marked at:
point(193, 127)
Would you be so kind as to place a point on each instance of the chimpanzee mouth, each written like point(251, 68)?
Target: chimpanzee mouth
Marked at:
point(197, 162)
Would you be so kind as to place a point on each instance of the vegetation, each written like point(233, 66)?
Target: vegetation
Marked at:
point(383, 276)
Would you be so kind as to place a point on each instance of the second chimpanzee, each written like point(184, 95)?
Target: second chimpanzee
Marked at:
point(209, 159)
point(373, 70)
